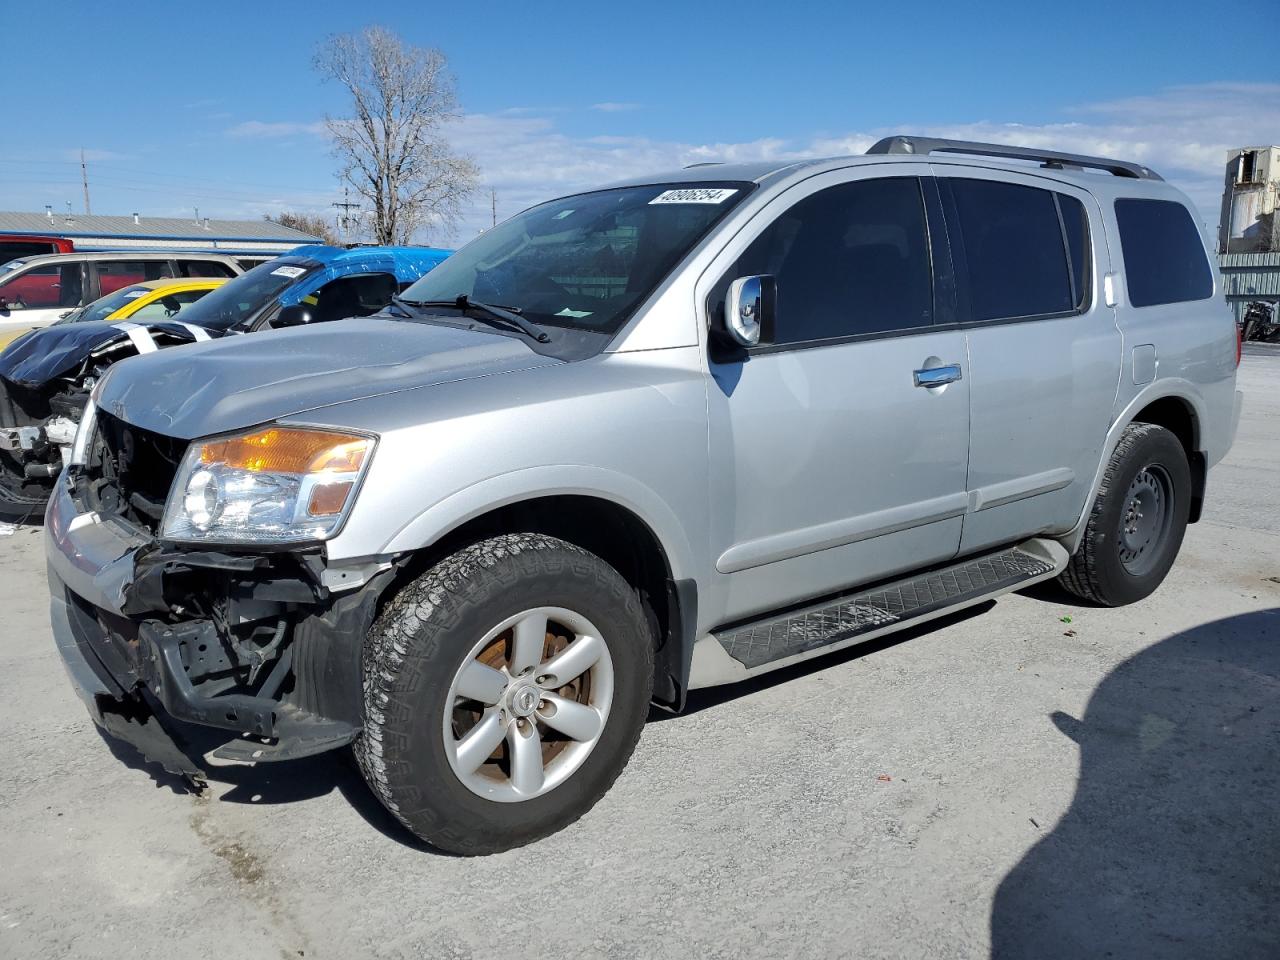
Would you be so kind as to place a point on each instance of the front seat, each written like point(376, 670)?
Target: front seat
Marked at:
point(338, 301)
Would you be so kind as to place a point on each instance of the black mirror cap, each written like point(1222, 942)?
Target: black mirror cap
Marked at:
point(768, 309)
point(293, 315)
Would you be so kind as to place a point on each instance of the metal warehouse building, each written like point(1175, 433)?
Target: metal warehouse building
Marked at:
point(88, 232)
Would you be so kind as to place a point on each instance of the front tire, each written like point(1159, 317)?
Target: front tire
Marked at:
point(505, 690)
point(1138, 520)
point(21, 499)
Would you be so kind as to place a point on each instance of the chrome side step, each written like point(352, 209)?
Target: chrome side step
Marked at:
point(766, 644)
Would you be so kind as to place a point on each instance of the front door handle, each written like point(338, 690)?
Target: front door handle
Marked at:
point(937, 376)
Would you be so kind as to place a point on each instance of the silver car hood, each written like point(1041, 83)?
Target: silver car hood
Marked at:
point(240, 381)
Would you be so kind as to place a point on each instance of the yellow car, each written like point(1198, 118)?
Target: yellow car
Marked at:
point(138, 302)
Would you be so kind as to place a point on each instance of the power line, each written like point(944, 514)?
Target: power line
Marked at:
point(173, 190)
point(40, 165)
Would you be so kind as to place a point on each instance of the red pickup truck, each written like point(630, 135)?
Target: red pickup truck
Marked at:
point(15, 245)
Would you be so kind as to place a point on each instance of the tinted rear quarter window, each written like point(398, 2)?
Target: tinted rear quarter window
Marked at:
point(1164, 258)
point(1014, 250)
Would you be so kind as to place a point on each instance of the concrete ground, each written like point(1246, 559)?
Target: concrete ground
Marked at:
point(1035, 779)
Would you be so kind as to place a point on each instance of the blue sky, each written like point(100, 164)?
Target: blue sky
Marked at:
point(220, 110)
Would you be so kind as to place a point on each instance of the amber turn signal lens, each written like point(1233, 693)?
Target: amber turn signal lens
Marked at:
point(328, 499)
point(279, 450)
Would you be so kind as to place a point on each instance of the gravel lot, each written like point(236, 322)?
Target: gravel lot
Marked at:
point(1004, 783)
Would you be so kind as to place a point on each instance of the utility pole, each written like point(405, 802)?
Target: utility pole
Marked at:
point(493, 200)
point(84, 178)
point(344, 218)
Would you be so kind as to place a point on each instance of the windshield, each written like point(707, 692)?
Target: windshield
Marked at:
point(585, 261)
point(104, 307)
point(240, 299)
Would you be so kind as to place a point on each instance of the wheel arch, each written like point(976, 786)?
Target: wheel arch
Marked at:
point(1173, 404)
point(610, 526)
point(1177, 415)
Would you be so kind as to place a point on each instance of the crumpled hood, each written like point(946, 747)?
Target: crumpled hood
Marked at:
point(239, 382)
point(40, 355)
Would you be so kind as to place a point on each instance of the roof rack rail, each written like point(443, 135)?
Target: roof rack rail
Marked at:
point(1050, 158)
point(704, 163)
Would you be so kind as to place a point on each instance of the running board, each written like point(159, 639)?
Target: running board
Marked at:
point(879, 609)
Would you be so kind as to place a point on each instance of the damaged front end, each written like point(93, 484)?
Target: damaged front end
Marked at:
point(45, 382)
point(262, 646)
point(37, 429)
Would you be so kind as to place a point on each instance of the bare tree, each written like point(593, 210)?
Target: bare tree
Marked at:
point(393, 150)
point(312, 223)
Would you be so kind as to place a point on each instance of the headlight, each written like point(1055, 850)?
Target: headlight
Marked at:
point(276, 485)
point(88, 421)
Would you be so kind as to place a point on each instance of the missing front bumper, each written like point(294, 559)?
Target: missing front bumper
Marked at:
point(153, 636)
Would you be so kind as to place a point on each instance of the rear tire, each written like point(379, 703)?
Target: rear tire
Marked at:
point(445, 662)
point(1138, 520)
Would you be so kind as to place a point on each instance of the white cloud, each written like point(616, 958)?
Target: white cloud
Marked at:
point(610, 106)
point(1181, 132)
point(263, 129)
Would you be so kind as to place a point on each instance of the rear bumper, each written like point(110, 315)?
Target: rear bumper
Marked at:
point(138, 664)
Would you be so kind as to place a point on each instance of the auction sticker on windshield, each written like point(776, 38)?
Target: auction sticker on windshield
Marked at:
point(293, 273)
point(695, 195)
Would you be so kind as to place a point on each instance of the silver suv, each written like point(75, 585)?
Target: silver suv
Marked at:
point(671, 433)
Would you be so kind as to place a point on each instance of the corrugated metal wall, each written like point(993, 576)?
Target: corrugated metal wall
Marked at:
point(1249, 276)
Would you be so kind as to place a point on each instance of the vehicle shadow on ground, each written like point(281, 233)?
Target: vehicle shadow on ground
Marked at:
point(1051, 591)
point(291, 781)
point(1171, 846)
point(700, 700)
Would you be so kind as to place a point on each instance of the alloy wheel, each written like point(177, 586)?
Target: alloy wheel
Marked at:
point(528, 704)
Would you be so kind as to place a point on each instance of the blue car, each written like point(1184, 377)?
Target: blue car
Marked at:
point(46, 375)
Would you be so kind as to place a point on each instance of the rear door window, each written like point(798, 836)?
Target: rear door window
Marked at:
point(204, 268)
point(114, 274)
point(1075, 222)
point(1014, 250)
point(1164, 257)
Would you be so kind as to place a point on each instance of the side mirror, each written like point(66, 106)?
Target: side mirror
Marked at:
point(749, 310)
point(294, 315)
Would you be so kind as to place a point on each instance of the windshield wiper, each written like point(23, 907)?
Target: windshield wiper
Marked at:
point(485, 311)
point(410, 307)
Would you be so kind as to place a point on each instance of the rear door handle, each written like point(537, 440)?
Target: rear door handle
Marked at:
point(937, 376)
